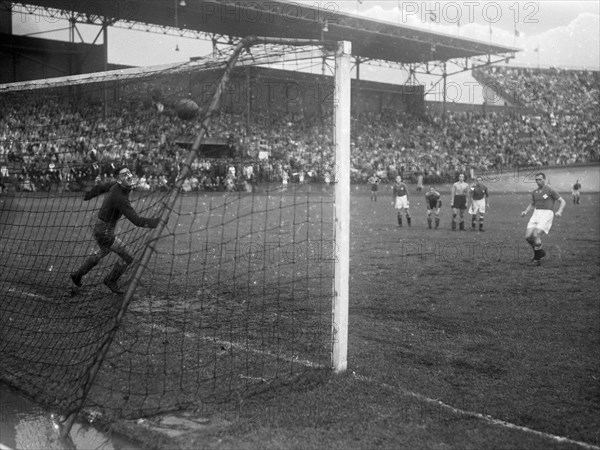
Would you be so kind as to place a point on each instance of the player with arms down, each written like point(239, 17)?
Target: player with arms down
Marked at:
point(542, 204)
point(400, 202)
point(458, 201)
point(479, 202)
point(115, 205)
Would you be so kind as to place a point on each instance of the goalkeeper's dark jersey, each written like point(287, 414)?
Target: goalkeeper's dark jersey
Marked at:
point(116, 204)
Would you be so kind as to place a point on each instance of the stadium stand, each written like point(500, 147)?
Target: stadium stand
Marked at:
point(561, 130)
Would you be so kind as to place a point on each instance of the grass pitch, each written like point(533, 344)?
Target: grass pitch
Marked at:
point(455, 342)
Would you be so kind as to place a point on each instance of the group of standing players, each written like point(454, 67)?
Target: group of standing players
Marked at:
point(464, 196)
point(474, 198)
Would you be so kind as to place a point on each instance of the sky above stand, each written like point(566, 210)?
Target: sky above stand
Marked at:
point(562, 34)
point(566, 33)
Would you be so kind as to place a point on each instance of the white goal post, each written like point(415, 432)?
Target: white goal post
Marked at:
point(342, 105)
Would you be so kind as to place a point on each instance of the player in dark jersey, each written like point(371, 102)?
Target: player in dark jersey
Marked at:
point(115, 205)
point(542, 204)
point(576, 193)
point(479, 202)
point(433, 201)
point(401, 202)
point(374, 181)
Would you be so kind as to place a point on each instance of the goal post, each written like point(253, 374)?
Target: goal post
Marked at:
point(342, 206)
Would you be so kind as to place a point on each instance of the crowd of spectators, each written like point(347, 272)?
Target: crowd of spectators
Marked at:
point(54, 143)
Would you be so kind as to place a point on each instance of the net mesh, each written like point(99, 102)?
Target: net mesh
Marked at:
point(235, 295)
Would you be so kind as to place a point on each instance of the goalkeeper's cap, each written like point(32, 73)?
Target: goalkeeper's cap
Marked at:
point(126, 178)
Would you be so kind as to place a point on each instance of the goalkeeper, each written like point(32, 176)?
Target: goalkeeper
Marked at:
point(115, 205)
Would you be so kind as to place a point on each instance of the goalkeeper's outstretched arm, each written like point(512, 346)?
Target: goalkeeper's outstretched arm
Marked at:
point(99, 189)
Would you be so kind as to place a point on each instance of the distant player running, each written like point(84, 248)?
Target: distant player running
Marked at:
point(115, 205)
point(542, 203)
point(479, 202)
point(458, 201)
point(433, 200)
point(401, 200)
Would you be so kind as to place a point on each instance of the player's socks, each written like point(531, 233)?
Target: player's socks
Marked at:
point(399, 221)
point(437, 222)
point(462, 226)
point(429, 222)
point(454, 225)
point(538, 254)
point(76, 278)
point(481, 224)
point(112, 285)
point(87, 265)
point(111, 279)
point(473, 223)
point(408, 218)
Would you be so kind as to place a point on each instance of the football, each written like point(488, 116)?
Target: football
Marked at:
point(186, 109)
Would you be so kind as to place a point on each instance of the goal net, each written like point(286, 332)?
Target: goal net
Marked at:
point(234, 292)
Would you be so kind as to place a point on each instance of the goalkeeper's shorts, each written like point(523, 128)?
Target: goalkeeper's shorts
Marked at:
point(104, 233)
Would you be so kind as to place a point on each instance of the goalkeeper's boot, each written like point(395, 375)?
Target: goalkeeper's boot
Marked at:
point(87, 265)
point(113, 286)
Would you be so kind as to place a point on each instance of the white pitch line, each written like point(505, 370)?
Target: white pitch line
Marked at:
point(28, 294)
point(242, 347)
point(485, 417)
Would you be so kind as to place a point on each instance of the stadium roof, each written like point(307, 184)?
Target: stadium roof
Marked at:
point(371, 39)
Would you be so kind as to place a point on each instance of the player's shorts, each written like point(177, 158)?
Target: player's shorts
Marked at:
point(402, 202)
point(460, 202)
point(541, 219)
point(104, 233)
point(477, 206)
point(374, 187)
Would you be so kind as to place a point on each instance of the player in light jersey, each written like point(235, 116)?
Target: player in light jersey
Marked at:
point(433, 200)
point(542, 203)
point(401, 200)
point(479, 202)
point(458, 201)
